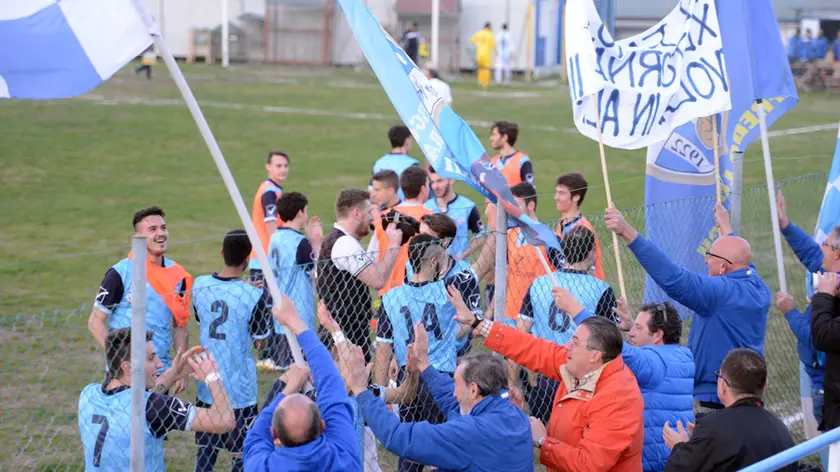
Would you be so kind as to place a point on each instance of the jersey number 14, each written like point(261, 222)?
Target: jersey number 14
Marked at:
point(430, 321)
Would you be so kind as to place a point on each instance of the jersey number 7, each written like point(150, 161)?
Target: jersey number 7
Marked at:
point(100, 438)
point(430, 321)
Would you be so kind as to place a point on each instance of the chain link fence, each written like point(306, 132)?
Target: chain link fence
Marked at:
point(50, 358)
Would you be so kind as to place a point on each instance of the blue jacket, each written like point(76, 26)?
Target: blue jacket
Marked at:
point(730, 311)
point(463, 443)
point(336, 448)
point(810, 255)
point(666, 379)
point(820, 47)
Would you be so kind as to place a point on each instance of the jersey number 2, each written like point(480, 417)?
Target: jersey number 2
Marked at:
point(100, 438)
point(430, 321)
point(219, 307)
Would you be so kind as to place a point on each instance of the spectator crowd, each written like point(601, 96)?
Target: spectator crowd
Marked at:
point(564, 376)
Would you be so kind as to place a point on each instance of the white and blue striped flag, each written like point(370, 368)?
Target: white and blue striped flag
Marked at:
point(63, 48)
point(830, 211)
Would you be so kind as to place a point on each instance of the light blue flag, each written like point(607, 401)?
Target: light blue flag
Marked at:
point(63, 48)
point(829, 211)
point(682, 168)
point(447, 141)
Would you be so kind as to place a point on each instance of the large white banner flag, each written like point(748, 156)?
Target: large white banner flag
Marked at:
point(649, 84)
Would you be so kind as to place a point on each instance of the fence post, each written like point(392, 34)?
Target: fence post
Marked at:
point(138, 353)
point(736, 190)
point(500, 277)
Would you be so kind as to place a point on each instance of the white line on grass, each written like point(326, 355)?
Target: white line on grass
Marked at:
point(102, 100)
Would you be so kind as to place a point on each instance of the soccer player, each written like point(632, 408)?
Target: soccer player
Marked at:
point(105, 408)
point(504, 55)
point(292, 256)
point(167, 293)
point(524, 265)
point(345, 271)
point(414, 183)
point(443, 227)
point(423, 300)
point(514, 165)
point(384, 189)
point(540, 316)
point(264, 210)
point(458, 207)
point(569, 193)
point(398, 159)
point(230, 313)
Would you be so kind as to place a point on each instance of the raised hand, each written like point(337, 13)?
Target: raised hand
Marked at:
point(781, 208)
point(296, 378)
point(286, 314)
point(326, 319)
point(722, 219)
point(463, 314)
point(314, 231)
point(785, 302)
point(420, 348)
point(623, 312)
point(203, 365)
point(828, 283)
point(393, 235)
point(617, 224)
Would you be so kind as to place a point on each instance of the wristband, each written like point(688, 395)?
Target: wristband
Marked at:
point(540, 442)
point(212, 377)
point(477, 322)
point(338, 337)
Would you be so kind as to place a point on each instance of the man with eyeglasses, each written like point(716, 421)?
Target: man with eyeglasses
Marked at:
point(663, 368)
point(730, 303)
point(596, 422)
point(741, 434)
point(816, 258)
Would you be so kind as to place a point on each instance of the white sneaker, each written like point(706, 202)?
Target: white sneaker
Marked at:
point(269, 365)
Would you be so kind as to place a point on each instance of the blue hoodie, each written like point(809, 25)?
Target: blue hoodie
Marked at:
point(730, 311)
point(810, 255)
point(335, 449)
point(464, 443)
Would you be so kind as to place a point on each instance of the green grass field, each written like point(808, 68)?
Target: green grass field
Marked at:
point(73, 172)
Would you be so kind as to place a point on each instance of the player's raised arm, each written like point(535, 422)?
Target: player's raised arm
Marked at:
point(219, 417)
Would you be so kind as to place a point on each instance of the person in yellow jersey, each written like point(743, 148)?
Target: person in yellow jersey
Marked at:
point(485, 43)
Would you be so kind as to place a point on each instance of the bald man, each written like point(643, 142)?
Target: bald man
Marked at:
point(295, 433)
point(730, 303)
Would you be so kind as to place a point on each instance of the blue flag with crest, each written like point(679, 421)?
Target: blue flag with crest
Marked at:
point(447, 141)
point(681, 170)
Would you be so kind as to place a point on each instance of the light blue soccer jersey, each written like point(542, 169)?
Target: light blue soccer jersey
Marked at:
point(424, 302)
point(553, 324)
point(292, 261)
point(459, 210)
point(230, 315)
point(397, 163)
point(105, 428)
point(159, 319)
point(464, 278)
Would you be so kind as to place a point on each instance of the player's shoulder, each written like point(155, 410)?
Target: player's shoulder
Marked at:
point(463, 201)
point(122, 265)
point(431, 204)
point(523, 157)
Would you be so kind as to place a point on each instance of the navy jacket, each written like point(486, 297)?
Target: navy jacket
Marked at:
point(335, 449)
point(495, 436)
point(730, 311)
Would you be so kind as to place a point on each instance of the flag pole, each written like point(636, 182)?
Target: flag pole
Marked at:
point(616, 252)
point(545, 265)
point(716, 146)
point(435, 49)
point(222, 166)
point(771, 192)
point(138, 354)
